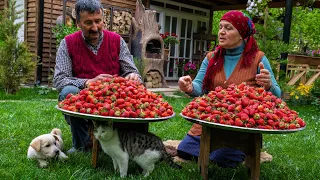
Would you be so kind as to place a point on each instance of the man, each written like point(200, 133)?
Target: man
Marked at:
point(86, 56)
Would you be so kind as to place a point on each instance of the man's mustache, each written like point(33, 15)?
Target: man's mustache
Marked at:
point(93, 32)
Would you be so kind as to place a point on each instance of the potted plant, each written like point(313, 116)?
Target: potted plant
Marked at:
point(190, 69)
point(168, 40)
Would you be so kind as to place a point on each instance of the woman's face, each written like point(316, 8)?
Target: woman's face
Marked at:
point(229, 37)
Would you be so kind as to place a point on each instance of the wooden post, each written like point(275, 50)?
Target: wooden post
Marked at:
point(205, 147)
point(147, 4)
point(25, 20)
point(64, 11)
point(39, 38)
point(253, 155)
point(287, 26)
point(210, 28)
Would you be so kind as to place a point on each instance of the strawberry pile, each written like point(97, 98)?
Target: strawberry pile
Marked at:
point(244, 106)
point(117, 97)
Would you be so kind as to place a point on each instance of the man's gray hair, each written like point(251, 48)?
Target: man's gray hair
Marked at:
point(90, 6)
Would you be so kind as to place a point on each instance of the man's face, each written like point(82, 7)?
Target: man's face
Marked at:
point(91, 25)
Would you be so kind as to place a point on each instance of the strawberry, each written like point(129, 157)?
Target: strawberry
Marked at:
point(292, 126)
point(238, 122)
point(270, 122)
point(245, 101)
point(260, 122)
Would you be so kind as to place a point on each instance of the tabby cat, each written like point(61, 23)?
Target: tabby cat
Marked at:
point(143, 148)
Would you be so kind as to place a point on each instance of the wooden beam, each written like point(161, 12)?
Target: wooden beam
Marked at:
point(147, 4)
point(211, 3)
point(230, 7)
point(316, 4)
point(231, 1)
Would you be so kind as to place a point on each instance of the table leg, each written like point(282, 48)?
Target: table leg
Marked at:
point(253, 156)
point(95, 145)
point(203, 160)
point(95, 152)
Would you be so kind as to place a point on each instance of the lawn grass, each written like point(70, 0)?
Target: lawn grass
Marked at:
point(32, 93)
point(295, 156)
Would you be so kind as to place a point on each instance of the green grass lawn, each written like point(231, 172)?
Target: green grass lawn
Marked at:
point(295, 156)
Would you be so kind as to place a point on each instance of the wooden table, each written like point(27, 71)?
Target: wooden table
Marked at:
point(138, 124)
point(247, 140)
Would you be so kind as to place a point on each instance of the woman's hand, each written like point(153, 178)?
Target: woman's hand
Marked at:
point(185, 84)
point(264, 78)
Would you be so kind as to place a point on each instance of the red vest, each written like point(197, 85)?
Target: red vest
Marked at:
point(85, 64)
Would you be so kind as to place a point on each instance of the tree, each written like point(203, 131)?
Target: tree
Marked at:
point(305, 29)
point(16, 62)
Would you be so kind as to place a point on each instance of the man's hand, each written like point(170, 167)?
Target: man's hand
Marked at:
point(264, 78)
point(133, 77)
point(185, 84)
point(99, 77)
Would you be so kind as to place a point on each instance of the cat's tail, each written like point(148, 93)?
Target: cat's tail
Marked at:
point(168, 159)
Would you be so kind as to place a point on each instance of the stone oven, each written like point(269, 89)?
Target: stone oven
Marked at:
point(147, 45)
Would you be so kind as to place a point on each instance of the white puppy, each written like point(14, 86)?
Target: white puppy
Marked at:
point(47, 146)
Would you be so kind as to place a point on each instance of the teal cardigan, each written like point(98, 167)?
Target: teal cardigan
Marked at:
point(231, 59)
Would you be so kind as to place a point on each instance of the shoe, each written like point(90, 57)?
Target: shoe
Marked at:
point(72, 150)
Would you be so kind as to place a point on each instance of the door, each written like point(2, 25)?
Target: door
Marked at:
point(180, 53)
point(170, 26)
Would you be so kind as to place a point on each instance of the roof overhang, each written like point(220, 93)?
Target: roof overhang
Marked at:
point(219, 5)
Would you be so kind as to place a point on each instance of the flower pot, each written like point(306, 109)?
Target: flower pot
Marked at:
point(166, 54)
point(192, 76)
point(301, 59)
point(285, 95)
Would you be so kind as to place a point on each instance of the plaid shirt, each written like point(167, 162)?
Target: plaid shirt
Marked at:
point(63, 70)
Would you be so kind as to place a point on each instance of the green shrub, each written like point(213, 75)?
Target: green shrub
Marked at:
point(60, 31)
point(140, 66)
point(16, 61)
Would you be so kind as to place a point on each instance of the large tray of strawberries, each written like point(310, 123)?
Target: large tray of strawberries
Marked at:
point(241, 129)
point(117, 99)
point(243, 108)
point(113, 118)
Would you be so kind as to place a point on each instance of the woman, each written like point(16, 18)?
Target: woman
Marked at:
point(236, 60)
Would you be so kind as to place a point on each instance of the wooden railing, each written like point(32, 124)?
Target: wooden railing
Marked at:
point(299, 72)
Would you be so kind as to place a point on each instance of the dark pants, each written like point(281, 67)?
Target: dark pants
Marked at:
point(79, 127)
point(189, 149)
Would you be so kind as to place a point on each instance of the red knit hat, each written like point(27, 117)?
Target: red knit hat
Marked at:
point(246, 29)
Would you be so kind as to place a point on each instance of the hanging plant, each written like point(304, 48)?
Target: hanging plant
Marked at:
point(306, 3)
point(256, 7)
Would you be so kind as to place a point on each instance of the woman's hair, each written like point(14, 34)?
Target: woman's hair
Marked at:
point(246, 29)
point(90, 6)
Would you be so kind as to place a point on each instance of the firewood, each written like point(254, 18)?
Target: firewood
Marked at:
point(148, 84)
point(149, 78)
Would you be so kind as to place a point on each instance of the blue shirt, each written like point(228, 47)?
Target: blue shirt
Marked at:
point(231, 59)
